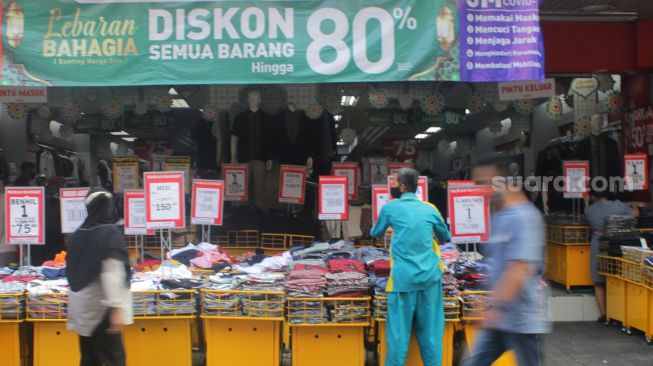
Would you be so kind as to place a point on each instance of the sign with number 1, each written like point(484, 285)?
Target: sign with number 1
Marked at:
point(73, 208)
point(25, 215)
point(164, 200)
point(636, 171)
point(207, 204)
point(469, 214)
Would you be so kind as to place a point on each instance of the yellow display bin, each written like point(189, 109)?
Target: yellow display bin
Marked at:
point(54, 345)
point(649, 328)
point(163, 322)
point(237, 322)
point(615, 298)
point(637, 307)
point(568, 264)
point(334, 337)
point(473, 311)
point(12, 314)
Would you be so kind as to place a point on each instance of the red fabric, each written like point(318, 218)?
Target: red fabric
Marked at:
point(380, 267)
point(346, 265)
point(350, 294)
point(24, 279)
point(310, 267)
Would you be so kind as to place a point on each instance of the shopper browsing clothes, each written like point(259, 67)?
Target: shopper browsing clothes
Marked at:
point(27, 174)
point(516, 312)
point(601, 207)
point(414, 287)
point(99, 302)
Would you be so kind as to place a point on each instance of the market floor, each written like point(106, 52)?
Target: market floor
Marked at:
point(594, 344)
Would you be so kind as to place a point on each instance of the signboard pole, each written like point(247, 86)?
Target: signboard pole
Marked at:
point(206, 233)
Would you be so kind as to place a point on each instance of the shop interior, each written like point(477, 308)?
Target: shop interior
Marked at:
point(441, 128)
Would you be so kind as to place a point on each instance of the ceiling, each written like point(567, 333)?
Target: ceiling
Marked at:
point(643, 8)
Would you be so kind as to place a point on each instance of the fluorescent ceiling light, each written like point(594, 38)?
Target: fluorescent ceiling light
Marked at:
point(434, 129)
point(337, 117)
point(179, 103)
point(129, 139)
point(348, 100)
point(467, 111)
point(340, 143)
point(421, 136)
point(119, 133)
point(337, 126)
point(172, 91)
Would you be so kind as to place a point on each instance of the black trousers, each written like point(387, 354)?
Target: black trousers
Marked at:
point(102, 348)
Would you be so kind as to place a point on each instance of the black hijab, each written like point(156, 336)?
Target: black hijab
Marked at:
point(97, 240)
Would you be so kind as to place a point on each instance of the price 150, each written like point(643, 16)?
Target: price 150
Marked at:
point(163, 207)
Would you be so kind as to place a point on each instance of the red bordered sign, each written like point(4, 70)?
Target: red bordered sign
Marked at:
point(208, 202)
point(25, 215)
point(236, 182)
point(73, 208)
point(349, 170)
point(469, 212)
point(292, 184)
point(422, 187)
point(394, 168)
point(164, 200)
point(577, 179)
point(456, 184)
point(333, 198)
point(636, 172)
point(380, 196)
point(135, 223)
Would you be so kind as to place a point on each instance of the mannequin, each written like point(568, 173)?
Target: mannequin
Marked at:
point(250, 143)
point(292, 137)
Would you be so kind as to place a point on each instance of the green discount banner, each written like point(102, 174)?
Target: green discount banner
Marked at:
point(149, 42)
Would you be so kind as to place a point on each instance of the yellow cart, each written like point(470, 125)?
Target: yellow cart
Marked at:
point(452, 322)
point(647, 274)
point(12, 313)
point(237, 322)
point(473, 310)
point(273, 244)
point(162, 322)
point(48, 313)
point(615, 288)
point(568, 256)
point(328, 331)
point(236, 242)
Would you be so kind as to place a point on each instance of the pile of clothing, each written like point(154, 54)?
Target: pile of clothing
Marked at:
point(164, 290)
point(255, 296)
point(307, 280)
point(347, 278)
point(220, 303)
point(378, 266)
point(203, 256)
point(47, 299)
point(620, 231)
point(12, 300)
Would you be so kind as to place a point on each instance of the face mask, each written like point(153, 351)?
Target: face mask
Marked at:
point(395, 192)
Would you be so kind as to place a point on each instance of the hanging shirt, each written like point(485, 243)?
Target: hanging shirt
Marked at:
point(414, 255)
point(46, 164)
point(253, 132)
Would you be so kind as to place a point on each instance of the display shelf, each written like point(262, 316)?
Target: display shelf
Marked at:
point(637, 307)
point(47, 307)
point(164, 304)
point(568, 264)
point(51, 338)
point(12, 314)
point(615, 294)
point(609, 266)
point(329, 311)
point(159, 341)
point(568, 234)
point(246, 305)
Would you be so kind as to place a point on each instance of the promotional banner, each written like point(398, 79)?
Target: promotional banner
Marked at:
point(236, 182)
point(179, 164)
point(208, 202)
point(349, 170)
point(499, 40)
point(24, 215)
point(469, 213)
point(577, 180)
point(125, 174)
point(135, 214)
point(636, 171)
point(147, 42)
point(401, 149)
point(332, 198)
point(164, 200)
point(380, 196)
point(292, 184)
point(73, 208)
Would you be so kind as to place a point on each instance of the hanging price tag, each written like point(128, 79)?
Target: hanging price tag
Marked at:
point(236, 182)
point(378, 170)
point(179, 164)
point(333, 198)
point(25, 215)
point(164, 200)
point(380, 196)
point(576, 175)
point(135, 214)
point(207, 204)
point(636, 172)
point(469, 212)
point(349, 170)
point(292, 185)
point(73, 208)
point(394, 168)
point(125, 174)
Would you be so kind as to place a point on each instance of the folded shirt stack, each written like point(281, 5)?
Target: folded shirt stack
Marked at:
point(306, 283)
point(347, 284)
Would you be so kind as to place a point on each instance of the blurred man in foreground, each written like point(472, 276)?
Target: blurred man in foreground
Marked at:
point(516, 313)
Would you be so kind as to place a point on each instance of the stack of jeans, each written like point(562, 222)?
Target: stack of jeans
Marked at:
point(220, 303)
point(262, 304)
point(12, 307)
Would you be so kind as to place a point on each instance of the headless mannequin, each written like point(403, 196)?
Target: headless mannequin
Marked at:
point(254, 103)
point(293, 137)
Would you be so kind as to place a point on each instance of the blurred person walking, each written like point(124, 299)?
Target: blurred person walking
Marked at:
point(98, 272)
point(516, 316)
point(414, 286)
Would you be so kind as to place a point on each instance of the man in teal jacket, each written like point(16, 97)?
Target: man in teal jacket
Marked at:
point(414, 287)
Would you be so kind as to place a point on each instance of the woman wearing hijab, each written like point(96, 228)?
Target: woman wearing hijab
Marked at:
point(98, 272)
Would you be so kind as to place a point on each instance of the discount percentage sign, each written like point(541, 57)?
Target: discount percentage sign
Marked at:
point(405, 18)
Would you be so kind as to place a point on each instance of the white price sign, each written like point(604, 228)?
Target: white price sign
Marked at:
point(135, 223)
point(378, 170)
point(636, 171)
point(164, 195)
point(333, 203)
point(207, 204)
point(469, 214)
point(292, 185)
point(576, 175)
point(25, 215)
point(73, 208)
point(349, 170)
point(235, 177)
